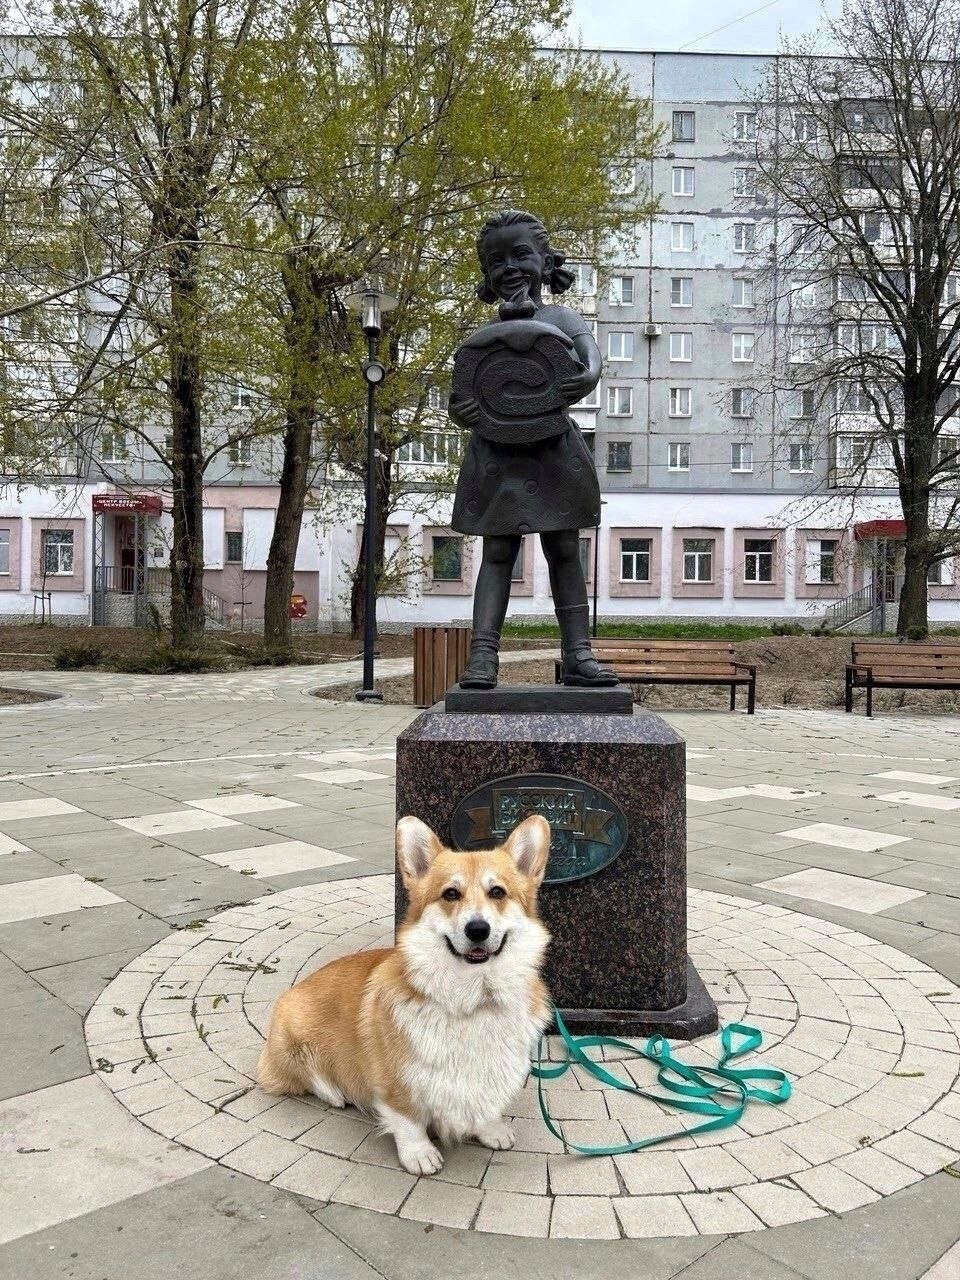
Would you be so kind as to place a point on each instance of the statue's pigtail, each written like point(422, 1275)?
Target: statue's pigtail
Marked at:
point(560, 278)
point(484, 290)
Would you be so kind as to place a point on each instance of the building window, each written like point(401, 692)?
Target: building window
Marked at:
point(741, 457)
point(240, 397)
point(936, 574)
point(681, 346)
point(113, 445)
point(681, 402)
point(683, 180)
point(698, 559)
point(585, 549)
point(234, 548)
point(681, 291)
point(744, 237)
point(584, 278)
point(684, 126)
point(436, 398)
point(742, 402)
point(619, 402)
point(745, 126)
point(801, 347)
point(742, 347)
point(821, 561)
point(4, 551)
point(240, 453)
point(621, 291)
point(803, 403)
point(678, 456)
point(447, 557)
point(758, 560)
point(516, 573)
point(618, 455)
point(619, 345)
point(634, 559)
point(742, 291)
point(802, 236)
point(681, 237)
point(745, 182)
point(803, 293)
point(805, 128)
point(851, 289)
point(622, 178)
point(57, 546)
point(801, 457)
point(431, 449)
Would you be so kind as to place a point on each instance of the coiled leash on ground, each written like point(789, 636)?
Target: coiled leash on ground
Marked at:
point(687, 1088)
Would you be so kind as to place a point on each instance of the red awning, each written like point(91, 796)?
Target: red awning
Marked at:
point(880, 529)
point(150, 503)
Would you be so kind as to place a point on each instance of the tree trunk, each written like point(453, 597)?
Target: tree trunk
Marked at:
point(187, 616)
point(358, 587)
point(912, 613)
point(281, 561)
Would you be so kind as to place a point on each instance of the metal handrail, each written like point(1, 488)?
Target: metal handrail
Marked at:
point(856, 605)
point(158, 583)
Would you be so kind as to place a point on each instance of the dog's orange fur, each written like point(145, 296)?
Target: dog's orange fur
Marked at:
point(337, 1022)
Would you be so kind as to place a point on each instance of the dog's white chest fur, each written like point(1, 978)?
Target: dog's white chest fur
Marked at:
point(464, 1068)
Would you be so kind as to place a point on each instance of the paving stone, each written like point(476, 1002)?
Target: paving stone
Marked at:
point(315, 1175)
point(41, 1044)
point(831, 1188)
point(652, 1173)
point(583, 1176)
point(776, 1204)
point(584, 1218)
point(372, 1187)
point(74, 1149)
point(78, 935)
point(916, 1151)
point(713, 1168)
point(507, 1213)
point(643, 1217)
point(442, 1203)
point(215, 1137)
point(719, 1213)
point(519, 1171)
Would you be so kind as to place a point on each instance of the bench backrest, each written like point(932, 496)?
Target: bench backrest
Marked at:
point(928, 657)
point(666, 657)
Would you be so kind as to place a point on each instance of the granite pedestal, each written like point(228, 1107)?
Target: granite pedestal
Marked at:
point(613, 787)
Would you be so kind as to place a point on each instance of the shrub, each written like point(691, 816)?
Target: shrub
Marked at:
point(786, 629)
point(77, 657)
point(264, 657)
point(163, 660)
point(915, 634)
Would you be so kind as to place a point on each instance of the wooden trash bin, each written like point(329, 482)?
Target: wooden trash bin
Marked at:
point(439, 656)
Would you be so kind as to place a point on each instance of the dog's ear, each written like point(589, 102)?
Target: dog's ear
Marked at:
point(529, 846)
point(417, 847)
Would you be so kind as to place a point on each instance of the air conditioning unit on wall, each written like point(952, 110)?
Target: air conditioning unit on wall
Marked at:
point(652, 330)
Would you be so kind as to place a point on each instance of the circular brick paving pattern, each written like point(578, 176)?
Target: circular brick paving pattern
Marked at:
point(868, 1034)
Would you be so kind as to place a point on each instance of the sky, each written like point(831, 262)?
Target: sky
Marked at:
point(643, 24)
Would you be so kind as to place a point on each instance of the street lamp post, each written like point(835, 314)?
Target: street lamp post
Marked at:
point(371, 302)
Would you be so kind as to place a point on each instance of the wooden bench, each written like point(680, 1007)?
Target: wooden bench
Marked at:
point(676, 662)
point(879, 664)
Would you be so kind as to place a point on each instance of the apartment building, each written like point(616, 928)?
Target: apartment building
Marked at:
point(721, 497)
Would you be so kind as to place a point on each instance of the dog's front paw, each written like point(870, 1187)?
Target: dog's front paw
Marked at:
point(498, 1135)
point(424, 1159)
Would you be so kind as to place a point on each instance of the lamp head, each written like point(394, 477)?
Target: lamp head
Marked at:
point(371, 302)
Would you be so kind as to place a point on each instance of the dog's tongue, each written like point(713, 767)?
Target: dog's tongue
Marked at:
point(477, 953)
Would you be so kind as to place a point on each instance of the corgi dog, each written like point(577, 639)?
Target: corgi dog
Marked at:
point(434, 1035)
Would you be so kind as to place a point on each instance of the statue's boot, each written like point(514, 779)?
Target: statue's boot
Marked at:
point(580, 667)
point(484, 664)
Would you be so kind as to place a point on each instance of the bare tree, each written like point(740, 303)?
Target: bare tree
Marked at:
point(859, 157)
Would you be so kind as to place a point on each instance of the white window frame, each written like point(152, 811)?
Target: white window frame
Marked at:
point(64, 546)
point(698, 556)
point(683, 180)
point(113, 445)
point(584, 278)
point(446, 537)
point(614, 397)
point(744, 237)
point(741, 457)
point(682, 232)
point(677, 123)
point(681, 402)
point(613, 445)
point(745, 182)
point(742, 401)
point(621, 291)
point(240, 452)
point(753, 560)
point(814, 561)
point(745, 126)
point(744, 287)
point(240, 397)
point(806, 128)
point(685, 284)
point(681, 340)
point(228, 534)
point(622, 178)
point(801, 398)
point(678, 456)
point(622, 348)
point(803, 294)
point(5, 542)
point(801, 346)
point(742, 346)
point(633, 557)
point(802, 464)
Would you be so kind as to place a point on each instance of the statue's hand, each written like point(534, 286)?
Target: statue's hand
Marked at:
point(465, 413)
point(577, 386)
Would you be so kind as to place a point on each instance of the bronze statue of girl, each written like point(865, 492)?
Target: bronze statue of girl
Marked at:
point(546, 485)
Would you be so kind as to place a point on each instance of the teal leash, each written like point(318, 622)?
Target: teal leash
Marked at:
point(723, 1096)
